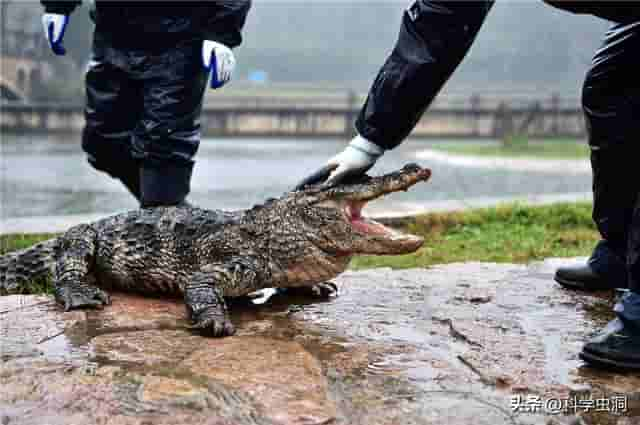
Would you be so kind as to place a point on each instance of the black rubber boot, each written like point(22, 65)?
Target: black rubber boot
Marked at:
point(165, 186)
point(604, 270)
point(617, 346)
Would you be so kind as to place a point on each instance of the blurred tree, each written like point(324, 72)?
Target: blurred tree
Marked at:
point(523, 45)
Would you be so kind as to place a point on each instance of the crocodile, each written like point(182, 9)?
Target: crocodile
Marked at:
point(299, 240)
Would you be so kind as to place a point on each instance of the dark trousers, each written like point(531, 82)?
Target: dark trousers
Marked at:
point(143, 116)
point(611, 103)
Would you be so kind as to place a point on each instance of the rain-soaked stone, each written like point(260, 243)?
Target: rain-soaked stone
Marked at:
point(285, 378)
point(457, 344)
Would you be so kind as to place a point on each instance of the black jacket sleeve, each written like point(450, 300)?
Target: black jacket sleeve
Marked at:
point(623, 12)
point(222, 20)
point(60, 7)
point(434, 38)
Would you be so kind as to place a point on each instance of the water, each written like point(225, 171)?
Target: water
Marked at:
point(48, 175)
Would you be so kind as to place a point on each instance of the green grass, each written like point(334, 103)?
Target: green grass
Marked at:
point(14, 242)
point(510, 233)
point(520, 148)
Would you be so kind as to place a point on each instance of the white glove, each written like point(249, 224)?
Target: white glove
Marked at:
point(358, 157)
point(54, 26)
point(220, 60)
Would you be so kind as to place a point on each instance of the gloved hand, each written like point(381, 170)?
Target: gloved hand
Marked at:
point(54, 26)
point(220, 60)
point(358, 157)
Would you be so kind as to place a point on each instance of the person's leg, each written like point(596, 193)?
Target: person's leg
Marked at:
point(618, 345)
point(611, 114)
point(111, 114)
point(168, 134)
point(612, 106)
point(613, 199)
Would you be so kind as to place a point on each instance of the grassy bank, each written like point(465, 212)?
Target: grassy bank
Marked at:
point(520, 148)
point(10, 243)
point(15, 242)
point(510, 233)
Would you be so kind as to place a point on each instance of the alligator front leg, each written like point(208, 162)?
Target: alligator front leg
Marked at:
point(205, 290)
point(73, 287)
point(206, 307)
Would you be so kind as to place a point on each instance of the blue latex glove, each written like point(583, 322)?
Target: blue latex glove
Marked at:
point(219, 59)
point(54, 26)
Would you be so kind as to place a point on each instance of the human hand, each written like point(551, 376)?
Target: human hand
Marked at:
point(356, 159)
point(220, 60)
point(54, 26)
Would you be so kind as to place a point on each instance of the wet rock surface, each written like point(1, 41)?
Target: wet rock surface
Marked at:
point(456, 344)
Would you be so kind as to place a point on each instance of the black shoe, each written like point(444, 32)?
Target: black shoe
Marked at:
point(617, 346)
point(605, 269)
point(585, 278)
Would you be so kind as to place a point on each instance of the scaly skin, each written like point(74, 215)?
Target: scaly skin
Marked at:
point(297, 241)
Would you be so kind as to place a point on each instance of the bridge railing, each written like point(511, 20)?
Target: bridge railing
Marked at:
point(333, 116)
point(355, 100)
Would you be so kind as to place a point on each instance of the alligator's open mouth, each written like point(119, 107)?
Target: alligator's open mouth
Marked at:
point(357, 195)
point(353, 211)
point(382, 240)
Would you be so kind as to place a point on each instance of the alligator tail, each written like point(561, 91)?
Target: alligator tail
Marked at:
point(19, 269)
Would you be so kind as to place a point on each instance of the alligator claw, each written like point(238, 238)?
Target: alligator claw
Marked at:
point(214, 326)
point(89, 297)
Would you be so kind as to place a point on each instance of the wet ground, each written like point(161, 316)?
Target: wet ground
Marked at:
point(458, 344)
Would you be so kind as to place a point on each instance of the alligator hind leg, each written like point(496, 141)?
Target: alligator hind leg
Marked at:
point(321, 291)
point(73, 285)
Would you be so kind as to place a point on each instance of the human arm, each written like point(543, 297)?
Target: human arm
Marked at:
point(221, 28)
point(624, 12)
point(434, 38)
point(222, 20)
point(60, 7)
